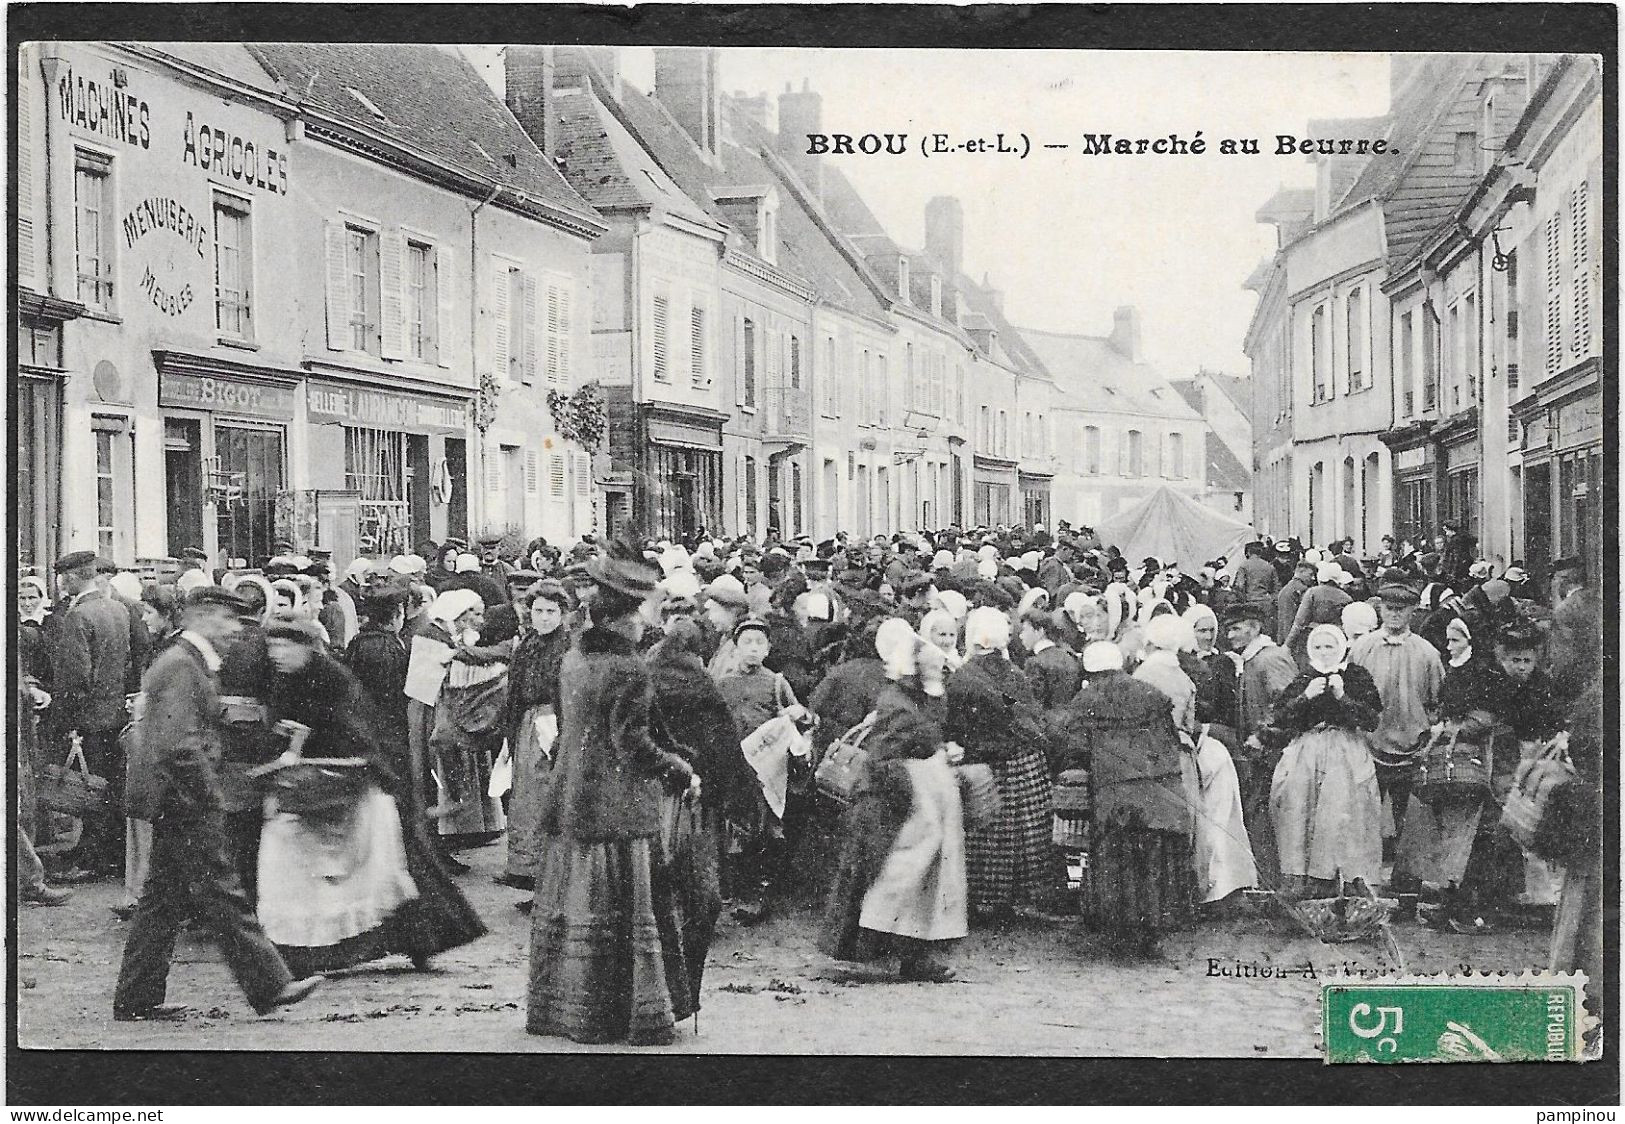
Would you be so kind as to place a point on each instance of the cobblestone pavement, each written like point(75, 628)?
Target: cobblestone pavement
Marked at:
point(1033, 986)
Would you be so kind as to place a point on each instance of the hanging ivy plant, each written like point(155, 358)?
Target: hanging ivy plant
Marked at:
point(485, 402)
point(582, 417)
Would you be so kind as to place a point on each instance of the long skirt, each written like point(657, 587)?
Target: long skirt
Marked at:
point(1223, 853)
point(921, 890)
point(607, 960)
point(532, 746)
point(692, 842)
point(336, 895)
point(1011, 860)
point(1140, 882)
point(1327, 809)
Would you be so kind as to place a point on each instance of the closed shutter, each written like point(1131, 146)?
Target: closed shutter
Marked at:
point(1580, 334)
point(662, 337)
point(494, 484)
point(528, 317)
point(338, 286)
point(1554, 295)
point(696, 346)
point(532, 472)
point(499, 319)
point(555, 476)
point(25, 179)
point(391, 296)
point(583, 504)
point(558, 335)
point(445, 289)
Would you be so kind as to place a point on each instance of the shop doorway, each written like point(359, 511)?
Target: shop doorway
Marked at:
point(183, 483)
point(245, 519)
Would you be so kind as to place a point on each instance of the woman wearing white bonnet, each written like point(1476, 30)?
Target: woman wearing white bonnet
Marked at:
point(1324, 800)
point(992, 714)
point(1165, 636)
point(1359, 618)
point(940, 628)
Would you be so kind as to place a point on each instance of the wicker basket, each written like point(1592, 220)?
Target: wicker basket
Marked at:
point(1338, 920)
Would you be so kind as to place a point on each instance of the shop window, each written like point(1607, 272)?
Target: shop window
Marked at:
point(375, 466)
point(252, 455)
point(93, 228)
point(361, 275)
point(422, 302)
point(233, 267)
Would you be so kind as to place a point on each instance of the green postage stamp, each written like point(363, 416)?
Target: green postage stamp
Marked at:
point(1534, 1017)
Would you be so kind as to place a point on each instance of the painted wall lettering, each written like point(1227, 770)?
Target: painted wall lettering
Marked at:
point(227, 154)
point(158, 213)
point(170, 304)
point(103, 109)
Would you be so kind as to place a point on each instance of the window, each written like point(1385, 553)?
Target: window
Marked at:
point(795, 362)
point(232, 267)
point(911, 379)
point(106, 508)
point(1554, 294)
point(1004, 434)
point(560, 338)
point(1469, 345)
point(1091, 450)
point(696, 346)
point(662, 337)
point(902, 280)
point(1580, 333)
point(747, 364)
point(1430, 358)
point(93, 228)
point(422, 302)
point(1319, 354)
point(882, 389)
point(521, 320)
point(1407, 362)
point(1356, 340)
point(361, 271)
point(984, 430)
point(750, 495)
point(1176, 456)
point(830, 380)
point(1454, 375)
point(1027, 441)
point(1136, 453)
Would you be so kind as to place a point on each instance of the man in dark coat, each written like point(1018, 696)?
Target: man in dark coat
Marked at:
point(89, 661)
point(1255, 578)
point(1051, 668)
point(174, 784)
point(1286, 601)
point(140, 639)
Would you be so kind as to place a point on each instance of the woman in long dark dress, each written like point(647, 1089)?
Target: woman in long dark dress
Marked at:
point(900, 888)
point(340, 890)
point(1141, 880)
point(607, 959)
point(532, 720)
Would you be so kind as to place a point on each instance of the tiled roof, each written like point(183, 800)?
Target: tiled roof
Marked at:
point(1224, 471)
point(1097, 378)
point(229, 60)
point(607, 165)
point(430, 99)
point(1288, 203)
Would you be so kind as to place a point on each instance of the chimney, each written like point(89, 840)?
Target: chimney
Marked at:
point(759, 108)
point(945, 233)
point(801, 112)
point(686, 84)
point(1125, 338)
point(994, 296)
point(573, 65)
point(528, 89)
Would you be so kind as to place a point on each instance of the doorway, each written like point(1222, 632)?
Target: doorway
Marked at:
point(183, 483)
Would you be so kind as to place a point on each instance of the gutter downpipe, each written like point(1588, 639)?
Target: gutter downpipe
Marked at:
point(473, 333)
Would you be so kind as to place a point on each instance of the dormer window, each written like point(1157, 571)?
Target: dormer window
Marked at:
point(768, 244)
point(936, 296)
point(902, 279)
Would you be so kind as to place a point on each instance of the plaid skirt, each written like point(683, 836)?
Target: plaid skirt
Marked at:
point(607, 955)
point(1011, 859)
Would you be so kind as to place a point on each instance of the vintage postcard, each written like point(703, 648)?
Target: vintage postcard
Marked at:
point(557, 545)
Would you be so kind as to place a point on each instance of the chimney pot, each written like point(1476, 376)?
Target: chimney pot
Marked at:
point(1125, 338)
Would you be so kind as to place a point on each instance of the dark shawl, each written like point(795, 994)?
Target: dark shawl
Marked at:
point(690, 718)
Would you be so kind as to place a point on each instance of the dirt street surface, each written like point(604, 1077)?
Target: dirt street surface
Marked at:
point(1030, 987)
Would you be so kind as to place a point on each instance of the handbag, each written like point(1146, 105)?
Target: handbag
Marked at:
point(1448, 768)
point(845, 764)
point(978, 794)
point(73, 791)
point(1533, 785)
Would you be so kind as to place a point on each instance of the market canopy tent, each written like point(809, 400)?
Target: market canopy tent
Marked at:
point(1171, 527)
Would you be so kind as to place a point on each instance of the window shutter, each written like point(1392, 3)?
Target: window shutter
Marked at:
point(25, 184)
point(583, 470)
point(662, 334)
point(391, 298)
point(1580, 334)
point(558, 334)
point(445, 282)
point(555, 476)
point(532, 472)
point(494, 478)
point(528, 323)
point(696, 345)
point(499, 319)
point(338, 287)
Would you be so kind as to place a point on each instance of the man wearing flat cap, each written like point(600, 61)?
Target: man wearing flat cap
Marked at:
point(194, 570)
point(90, 656)
point(1408, 674)
point(174, 783)
point(1266, 671)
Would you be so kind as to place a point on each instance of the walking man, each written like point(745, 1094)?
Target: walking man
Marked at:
point(174, 784)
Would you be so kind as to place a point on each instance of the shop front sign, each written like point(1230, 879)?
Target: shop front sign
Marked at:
point(226, 395)
point(332, 404)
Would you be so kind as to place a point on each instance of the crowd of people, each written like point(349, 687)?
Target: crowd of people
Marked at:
point(935, 730)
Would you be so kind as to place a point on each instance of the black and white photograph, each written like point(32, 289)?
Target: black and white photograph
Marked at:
point(530, 546)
